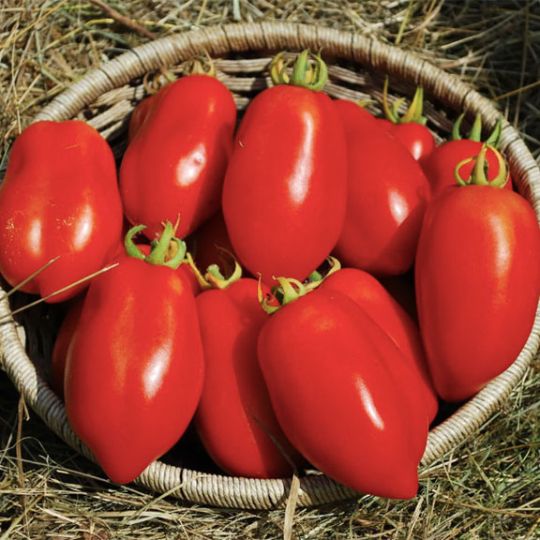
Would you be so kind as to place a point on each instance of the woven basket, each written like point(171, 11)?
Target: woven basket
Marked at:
point(357, 65)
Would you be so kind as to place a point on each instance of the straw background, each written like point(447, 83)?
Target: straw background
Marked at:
point(488, 488)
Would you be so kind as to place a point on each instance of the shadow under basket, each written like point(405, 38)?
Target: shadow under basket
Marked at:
point(357, 67)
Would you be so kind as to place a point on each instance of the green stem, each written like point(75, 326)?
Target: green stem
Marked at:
point(476, 130)
point(203, 283)
point(388, 112)
point(475, 134)
point(264, 300)
point(160, 253)
point(495, 135)
point(288, 289)
point(316, 278)
point(179, 255)
point(160, 248)
point(414, 111)
point(456, 128)
point(131, 248)
point(218, 280)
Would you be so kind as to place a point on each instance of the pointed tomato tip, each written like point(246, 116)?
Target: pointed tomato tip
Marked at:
point(405, 487)
point(121, 477)
point(120, 471)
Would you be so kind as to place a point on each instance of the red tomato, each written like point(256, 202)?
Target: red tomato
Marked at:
point(184, 270)
point(175, 164)
point(285, 189)
point(358, 114)
point(235, 419)
point(139, 115)
point(334, 396)
point(59, 198)
point(388, 193)
point(207, 245)
point(61, 346)
point(385, 124)
point(373, 298)
point(440, 165)
point(134, 371)
point(477, 285)
point(416, 138)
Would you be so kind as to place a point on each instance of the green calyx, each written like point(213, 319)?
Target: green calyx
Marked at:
point(413, 113)
point(478, 176)
point(166, 251)
point(214, 278)
point(289, 289)
point(475, 134)
point(154, 82)
point(217, 280)
point(308, 71)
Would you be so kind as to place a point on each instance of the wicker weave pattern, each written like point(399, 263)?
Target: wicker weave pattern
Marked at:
point(109, 93)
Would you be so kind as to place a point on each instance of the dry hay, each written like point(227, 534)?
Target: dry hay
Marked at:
point(488, 488)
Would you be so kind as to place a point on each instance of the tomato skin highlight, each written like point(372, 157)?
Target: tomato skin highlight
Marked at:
point(334, 397)
point(284, 193)
point(59, 198)
point(134, 370)
point(386, 312)
point(439, 166)
point(388, 194)
point(416, 138)
point(235, 420)
point(477, 285)
point(174, 165)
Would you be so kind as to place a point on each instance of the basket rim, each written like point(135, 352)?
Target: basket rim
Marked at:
point(228, 491)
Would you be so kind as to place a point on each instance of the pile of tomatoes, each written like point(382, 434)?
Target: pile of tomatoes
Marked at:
point(308, 360)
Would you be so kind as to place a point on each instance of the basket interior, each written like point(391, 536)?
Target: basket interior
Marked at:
point(185, 472)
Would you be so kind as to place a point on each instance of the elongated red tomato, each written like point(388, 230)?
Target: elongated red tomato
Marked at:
point(175, 163)
point(373, 298)
point(134, 370)
point(477, 285)
point(138, 116)
point(59, 198)
point(235, 419)
point(285, 189)
point(387, 197)
point(71, 321)
point(62, 344)
point(356, 112)
point(334, 396)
